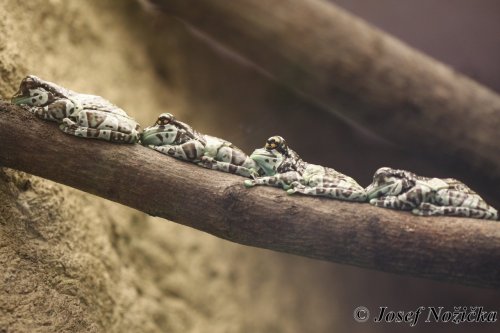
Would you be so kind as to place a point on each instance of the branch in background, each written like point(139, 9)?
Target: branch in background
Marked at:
point(370, 77)
point(460, 250)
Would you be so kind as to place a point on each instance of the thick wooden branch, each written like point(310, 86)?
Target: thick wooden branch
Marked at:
point(452, 249)
point(357, 70)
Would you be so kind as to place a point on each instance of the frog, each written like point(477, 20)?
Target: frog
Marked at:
point(284, 168)
point(81, 115)
point(425, 196)
point(175, 138)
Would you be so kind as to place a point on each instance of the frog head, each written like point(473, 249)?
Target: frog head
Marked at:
point(37, 92)
point(387, 181)
point(276, 157)
point(163, 132)
point(268, 160)
point(277, 143)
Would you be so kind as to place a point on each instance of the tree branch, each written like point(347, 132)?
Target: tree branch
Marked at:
point(451, 249)
point(357, 70)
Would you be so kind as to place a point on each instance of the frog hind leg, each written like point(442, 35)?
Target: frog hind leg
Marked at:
point(330, 192)
point(428, 209)
point(393, 202)
point(404, 201)
point(191, 150)
point(448, 197)
point(70, 127)
point(211, 163)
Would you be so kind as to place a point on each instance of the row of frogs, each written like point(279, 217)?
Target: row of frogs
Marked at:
point(276, 164)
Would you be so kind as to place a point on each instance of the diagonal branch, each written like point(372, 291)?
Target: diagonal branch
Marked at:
point(451, 249)
point(357, 70)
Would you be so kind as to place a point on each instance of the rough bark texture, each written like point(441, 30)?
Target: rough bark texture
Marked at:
point(360, 72)
point(452, 249)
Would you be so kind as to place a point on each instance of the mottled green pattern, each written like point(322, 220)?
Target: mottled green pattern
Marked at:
point(177, 139)
point(284, 168)
point(403, 190)
point(78, 114)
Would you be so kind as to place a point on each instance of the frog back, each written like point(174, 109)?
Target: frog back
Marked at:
point(318, 170)
point(214, 144)
point(93, 102)
point(456, 185)
point(292, 162)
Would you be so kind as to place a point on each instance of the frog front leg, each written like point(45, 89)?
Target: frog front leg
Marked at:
point(283, 180)
point(341, 193)
point(404, 201)
point(191, 150)
point(56, 111)
point(211, 163)
point(428, 209)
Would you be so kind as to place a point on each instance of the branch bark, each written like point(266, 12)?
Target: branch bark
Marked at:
point(357, 70)
point(460, 250)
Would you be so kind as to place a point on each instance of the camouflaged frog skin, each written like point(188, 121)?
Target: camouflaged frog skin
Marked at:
point(284, 168)
point(403, 190)
point(177, 139)
point(78, 114)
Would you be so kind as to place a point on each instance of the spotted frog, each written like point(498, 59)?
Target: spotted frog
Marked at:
point(284, 168)
point(78, 114)
point(403, 190)
point(177, 139)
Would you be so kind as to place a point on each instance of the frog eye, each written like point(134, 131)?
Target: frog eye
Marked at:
point(271, 145)
point(273, 142)
point(163, 121)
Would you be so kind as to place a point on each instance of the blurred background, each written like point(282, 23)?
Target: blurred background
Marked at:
point(77, 263)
